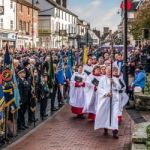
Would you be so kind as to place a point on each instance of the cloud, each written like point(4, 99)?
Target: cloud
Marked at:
point(95, 13)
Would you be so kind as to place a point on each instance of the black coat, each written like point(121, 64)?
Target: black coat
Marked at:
point(24, 90)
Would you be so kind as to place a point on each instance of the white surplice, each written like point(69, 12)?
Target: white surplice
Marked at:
point(90, 95)
point(77, 96)
point(124, 98)
point(103, 104)
point(88, 68)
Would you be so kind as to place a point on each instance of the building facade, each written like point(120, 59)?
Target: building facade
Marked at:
point(26, 38)
point(8, 23)
point(86, 36)
point(60, 25)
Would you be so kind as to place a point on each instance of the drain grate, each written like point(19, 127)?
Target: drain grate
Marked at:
point(136, 116)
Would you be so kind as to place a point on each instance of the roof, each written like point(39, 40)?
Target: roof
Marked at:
point(26, 3)
point(59, 7)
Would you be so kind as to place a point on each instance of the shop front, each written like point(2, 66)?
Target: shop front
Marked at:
point(7, 37)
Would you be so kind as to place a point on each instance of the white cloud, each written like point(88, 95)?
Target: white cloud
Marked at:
point(94, 13)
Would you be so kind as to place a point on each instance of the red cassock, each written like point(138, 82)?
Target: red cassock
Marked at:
point(77, 110)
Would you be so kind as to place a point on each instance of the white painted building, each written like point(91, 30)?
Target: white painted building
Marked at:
point(8, 23)
point(53, 20)
point(86, 36)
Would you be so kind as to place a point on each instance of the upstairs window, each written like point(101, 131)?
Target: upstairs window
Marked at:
point(11, 4)
point(11, 25)
point(1, 23)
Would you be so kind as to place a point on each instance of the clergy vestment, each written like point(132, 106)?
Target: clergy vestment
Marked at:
point(103, 104)
point(91, 95)
point(87, 69)
point(77, 95)
point(123, 97)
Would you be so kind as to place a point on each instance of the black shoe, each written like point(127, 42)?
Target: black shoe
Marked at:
point(21, 128)
point(61, 104)
point(26, 127)
point(116, 136)
point(105, 132)
point(54, 109)
point(46, 115)
point(81, 116)
point(36, 120)
point(30, 121)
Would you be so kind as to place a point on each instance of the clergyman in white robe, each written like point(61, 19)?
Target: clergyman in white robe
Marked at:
point(103, 104)
point(124, 98)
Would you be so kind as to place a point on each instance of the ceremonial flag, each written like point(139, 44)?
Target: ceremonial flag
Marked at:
point(7, 57)
point(16, 90)
point(85, 55)
point(60, 72)
point(69, 66)
point(72, 61)
point(8, 80)
point(1, 104)
point(51, 74)
point(96, 54)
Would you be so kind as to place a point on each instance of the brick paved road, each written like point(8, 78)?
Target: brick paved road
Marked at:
point(65, 132)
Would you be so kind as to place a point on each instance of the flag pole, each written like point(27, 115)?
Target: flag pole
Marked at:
point(112, 57)
point(6, 115)
point(126, 41)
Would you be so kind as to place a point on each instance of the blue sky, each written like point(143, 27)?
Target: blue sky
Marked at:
point(99, 13)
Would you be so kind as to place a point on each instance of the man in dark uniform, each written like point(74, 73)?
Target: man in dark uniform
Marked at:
point(44, 96)
point(24, 90)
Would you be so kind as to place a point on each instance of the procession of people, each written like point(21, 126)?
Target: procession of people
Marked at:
point(92, 80)
point(98, 91)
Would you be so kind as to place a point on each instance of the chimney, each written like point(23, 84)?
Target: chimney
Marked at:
point(58, 2)
point(62, 3)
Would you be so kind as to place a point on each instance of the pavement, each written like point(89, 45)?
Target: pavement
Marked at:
point(63, 131)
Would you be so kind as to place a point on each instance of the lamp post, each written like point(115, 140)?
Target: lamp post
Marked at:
point(33, 3)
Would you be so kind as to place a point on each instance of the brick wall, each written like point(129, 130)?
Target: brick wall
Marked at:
point(24, 20)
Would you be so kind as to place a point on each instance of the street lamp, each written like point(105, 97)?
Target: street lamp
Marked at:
point(33, 3)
